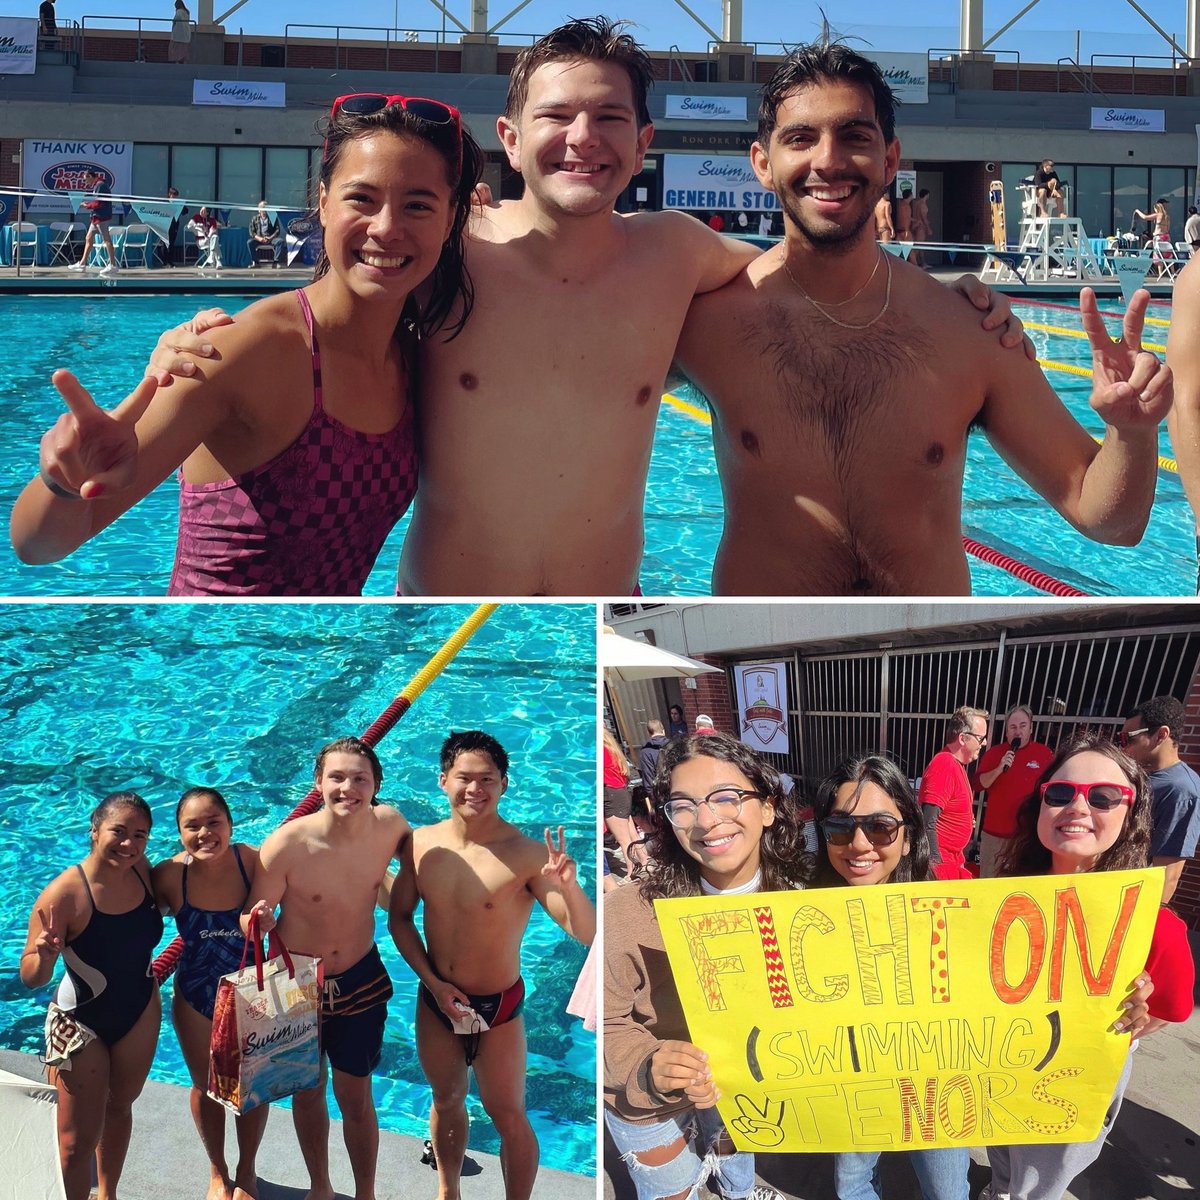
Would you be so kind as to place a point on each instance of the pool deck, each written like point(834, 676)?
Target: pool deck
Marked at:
point(165, 1141)
point(60, 281)
point(1153, 1152)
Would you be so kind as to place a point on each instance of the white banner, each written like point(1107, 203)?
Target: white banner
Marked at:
point(239, 92)
point(1131, 270)
point(59, 166)
point(906, 74)
point(706, 108)
point(762, 706)
point(714, 181)
point(158, 214)
point(18, 45)
point(1130, 120)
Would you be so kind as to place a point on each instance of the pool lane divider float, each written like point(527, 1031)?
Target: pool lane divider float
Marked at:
point(166, 962)
point(995, 558)
point(1074, 308)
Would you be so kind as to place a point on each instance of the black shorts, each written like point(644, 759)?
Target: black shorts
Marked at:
point(354, 1013)
point(496, 1008)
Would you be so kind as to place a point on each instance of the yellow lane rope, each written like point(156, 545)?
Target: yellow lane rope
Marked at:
point(1079, 333)
point(453, 644)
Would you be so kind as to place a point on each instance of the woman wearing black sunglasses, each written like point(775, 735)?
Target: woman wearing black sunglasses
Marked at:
point(297, 440)
point(1089, 812)
point(870, 831)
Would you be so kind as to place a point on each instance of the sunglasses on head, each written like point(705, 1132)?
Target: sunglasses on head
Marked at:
point(879, 828)
point(1058, 793)
point(364, 103)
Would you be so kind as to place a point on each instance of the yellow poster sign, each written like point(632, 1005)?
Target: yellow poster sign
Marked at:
point(898, 1017)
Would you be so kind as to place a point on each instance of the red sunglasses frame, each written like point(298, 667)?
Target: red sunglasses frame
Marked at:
point(1128, 794)
point(404, 102)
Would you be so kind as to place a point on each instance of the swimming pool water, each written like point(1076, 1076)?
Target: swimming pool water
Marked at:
point(107, 346)
point(240, 697)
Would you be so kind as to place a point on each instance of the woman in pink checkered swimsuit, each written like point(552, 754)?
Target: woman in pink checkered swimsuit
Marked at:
point(295, 444)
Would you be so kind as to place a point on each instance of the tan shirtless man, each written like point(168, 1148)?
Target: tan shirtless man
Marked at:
point(1183, 357)
point(478, 878)
point(325, 870)
point(885, 231)
point(844, 381)
point(538, 419)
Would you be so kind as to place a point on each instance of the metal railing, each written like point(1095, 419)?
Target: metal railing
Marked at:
point(1076, 72)
point(1175, 60)
point(136, 24)
point(952, 57)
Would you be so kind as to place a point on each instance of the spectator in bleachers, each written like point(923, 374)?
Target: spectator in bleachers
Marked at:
point(180, 49)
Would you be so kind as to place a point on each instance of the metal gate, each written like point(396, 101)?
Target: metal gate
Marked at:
point(898, 700)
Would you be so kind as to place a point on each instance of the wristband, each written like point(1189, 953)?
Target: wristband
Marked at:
point(57, 488)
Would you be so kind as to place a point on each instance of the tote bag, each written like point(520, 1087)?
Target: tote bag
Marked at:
point(266, 1035)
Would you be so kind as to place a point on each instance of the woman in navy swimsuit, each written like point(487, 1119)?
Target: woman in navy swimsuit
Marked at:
point(102, 1027)
point(204, 888)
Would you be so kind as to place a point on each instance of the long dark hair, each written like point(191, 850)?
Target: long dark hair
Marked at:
point(862, 769)
point(449, 289)
point(785, 863)
point(1025, 854)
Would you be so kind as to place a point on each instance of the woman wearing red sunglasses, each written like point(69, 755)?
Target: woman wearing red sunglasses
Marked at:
point(297, 439)
point(1089, 812)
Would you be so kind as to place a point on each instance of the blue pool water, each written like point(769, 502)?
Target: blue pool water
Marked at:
point(240, 697)
point(108, 346)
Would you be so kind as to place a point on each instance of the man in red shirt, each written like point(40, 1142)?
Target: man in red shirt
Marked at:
point(945, 793)
point(1008, 773)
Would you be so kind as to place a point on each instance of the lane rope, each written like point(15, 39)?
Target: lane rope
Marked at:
point(167, 961)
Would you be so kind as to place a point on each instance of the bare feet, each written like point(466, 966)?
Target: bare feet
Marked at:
point(325, 1193)
point(246, 1192)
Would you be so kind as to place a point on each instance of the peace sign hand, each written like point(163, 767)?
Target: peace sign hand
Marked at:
point(1131, 388)
point(559, 864)
point(49, 943)
point(88, 451)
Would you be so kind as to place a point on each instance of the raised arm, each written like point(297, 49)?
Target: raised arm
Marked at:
point(1183, 357)
point(556, 888)
point(96, 465)
point(402, 925)
point(48, 933)
point(1105, 491)
point(176, 351)
point(715, 259)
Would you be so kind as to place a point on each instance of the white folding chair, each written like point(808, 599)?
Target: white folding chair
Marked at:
point(24, 237)
point(62, 242)
point(1184, 250)
point(1168, 262)
point(136, 238)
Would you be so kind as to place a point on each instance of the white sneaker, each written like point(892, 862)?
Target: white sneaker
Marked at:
point(76, 267)
point(109, 271)
point(763, 1192)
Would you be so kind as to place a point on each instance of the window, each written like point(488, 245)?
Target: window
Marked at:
point(1093, 200)
point(240, 180)
point(150, 165)
point(287, 177)
point(1130, 191)
point(194, 173)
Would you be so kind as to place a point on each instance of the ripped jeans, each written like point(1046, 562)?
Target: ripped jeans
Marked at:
point(697, 1162)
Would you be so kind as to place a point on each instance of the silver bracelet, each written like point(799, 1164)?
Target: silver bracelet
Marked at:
point(57, 488)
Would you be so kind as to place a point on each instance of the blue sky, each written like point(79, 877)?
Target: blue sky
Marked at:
point(1044, 34)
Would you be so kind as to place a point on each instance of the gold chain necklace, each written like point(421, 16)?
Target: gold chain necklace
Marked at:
point(821, 308)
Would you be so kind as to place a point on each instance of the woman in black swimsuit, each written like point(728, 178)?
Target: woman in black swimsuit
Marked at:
point(102, 1027)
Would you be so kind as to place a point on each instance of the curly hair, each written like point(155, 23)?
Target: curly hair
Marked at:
point(862, 769)
point(1025, 854)
point(449, 288)
point(785, 863)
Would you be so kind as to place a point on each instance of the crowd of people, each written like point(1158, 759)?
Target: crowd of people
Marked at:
point(476, 875)
point(719, 820)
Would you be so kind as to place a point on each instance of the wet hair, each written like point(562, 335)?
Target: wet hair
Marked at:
point(862, 769)
point(116, 800)
point(450, 292)
point(1162, 710)
point(825, 62)
point(784, 861)
point(473, 741)
point(592, 39)
point(350, 745)
point(206, 793)
point(961, 719)
point(1025, 854)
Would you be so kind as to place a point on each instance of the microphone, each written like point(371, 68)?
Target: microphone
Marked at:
point(1015, 744)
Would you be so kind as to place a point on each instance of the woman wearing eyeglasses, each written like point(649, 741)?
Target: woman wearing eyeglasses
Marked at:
point(724, 827)
point(297, 441)
point(1089, 812)
point(869, 830)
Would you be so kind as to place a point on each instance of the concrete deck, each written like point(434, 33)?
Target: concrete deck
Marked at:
point(1151, 1154)
point(166, 1161)
point(133, 280)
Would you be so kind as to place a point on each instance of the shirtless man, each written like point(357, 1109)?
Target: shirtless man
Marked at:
point(904, 216)
point(563, 361)
point(478, 878)
point(1183, 357)
point(325, 870)
point(885, 231)
point(844, 381)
